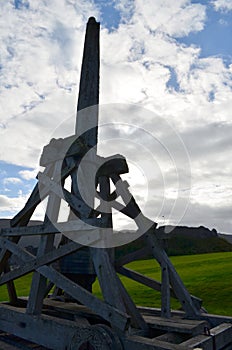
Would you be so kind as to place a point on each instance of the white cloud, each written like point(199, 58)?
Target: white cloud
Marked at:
point(222, 5)
point(11, 204)
point(12, 180)
point(176, 19)
point(40, 60)
point(28, 174)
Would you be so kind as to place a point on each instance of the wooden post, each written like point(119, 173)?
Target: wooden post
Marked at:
point(39, 283)
point(165, 292)
point(89, 85)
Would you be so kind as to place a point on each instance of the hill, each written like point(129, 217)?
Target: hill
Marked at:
point(183, 240)
point(227, 237)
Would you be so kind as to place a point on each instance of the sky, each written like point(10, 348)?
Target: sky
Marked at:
point(165, 92)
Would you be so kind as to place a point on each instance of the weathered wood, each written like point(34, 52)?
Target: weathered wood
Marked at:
point(217, 338)
point(172, 337)
point(114, 293)
point(105, 272)
point(59, 149)
point(138, 277)
point(38, 194)
point(165, 292)
point(109, 313)
point(59, 227)
point(11, 288)
point(48, 331)
point(87, 121)
point(150, 282)
point(176, 324)
point(137, 320)
point(75, 203)
point(215, 320)
point(199, 342)
point(39, 283)
point(180, 291)
point(160, 255)
point(14, 248)
point(115, 164)
point(132, 207)
point(23, 217)
point(137, 342)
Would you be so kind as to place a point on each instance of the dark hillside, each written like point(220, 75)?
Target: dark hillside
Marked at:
point(183, 240)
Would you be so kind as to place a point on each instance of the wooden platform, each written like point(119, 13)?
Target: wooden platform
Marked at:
point(11, 342)
point(175, 333)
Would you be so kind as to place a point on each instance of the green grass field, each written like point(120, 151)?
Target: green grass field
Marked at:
point(207, 276)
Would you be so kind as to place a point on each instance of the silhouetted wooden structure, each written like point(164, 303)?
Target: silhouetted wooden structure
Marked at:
point(114, 322)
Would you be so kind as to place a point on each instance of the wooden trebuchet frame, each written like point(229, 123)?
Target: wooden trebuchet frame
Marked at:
point(39, 318)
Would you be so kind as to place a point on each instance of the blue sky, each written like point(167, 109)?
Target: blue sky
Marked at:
point(171, 58)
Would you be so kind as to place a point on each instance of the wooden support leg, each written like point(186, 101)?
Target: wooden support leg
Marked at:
point(39, 283)
point(107, 278)
point(158, 252)
point(11, 289)
point(175, 280)
point(165, 292)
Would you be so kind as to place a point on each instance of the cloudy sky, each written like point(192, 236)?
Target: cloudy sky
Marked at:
point(166, 91)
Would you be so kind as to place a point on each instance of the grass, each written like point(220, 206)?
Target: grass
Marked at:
point(207, 276)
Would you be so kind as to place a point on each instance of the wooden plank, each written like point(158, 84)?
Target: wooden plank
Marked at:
point(199, 342)
point(137, 320)
point(11, 288)
point(14, 248)
point(165, 292)
point(222, 335)
point(59, 149)
point(22, 219)
point(138, 277)
point(105, 273)
point(48, 331)
point(215, 338)
point(39, 282)
point(109, 313)
point(179, 289)
point(150, 282)
point(104, 184)
point(175, 324)
point(215, 320)
point(61, 192)
point(172, 337)
point(115, 164)
point(72, 310)
point(60, 227)
point(38, 194)
point(137, 342)
point(132, 209)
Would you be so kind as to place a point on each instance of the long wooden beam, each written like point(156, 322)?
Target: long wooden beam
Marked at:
point(108, 312)
point(77, 226)
point(87, 123)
